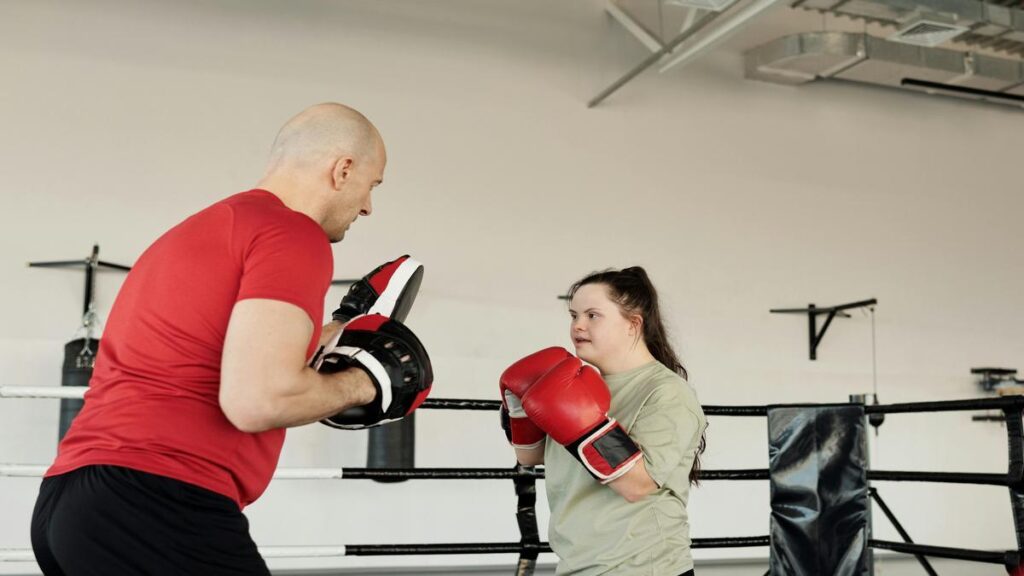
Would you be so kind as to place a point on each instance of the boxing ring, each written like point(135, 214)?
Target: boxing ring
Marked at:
point(786, 541)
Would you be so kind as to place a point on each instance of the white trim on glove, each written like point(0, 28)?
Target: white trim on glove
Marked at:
point(385, 303)
point(374, 367)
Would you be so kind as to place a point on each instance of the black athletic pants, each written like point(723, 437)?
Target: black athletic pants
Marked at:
point(104, 520)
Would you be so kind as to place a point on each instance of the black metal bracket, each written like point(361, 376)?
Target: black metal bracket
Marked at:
point(812, 312)
point(92, 265)
point(899, 528)
point(992, 378)
point(988, 418)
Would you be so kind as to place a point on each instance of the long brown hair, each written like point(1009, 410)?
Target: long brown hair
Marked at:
point(631, 289)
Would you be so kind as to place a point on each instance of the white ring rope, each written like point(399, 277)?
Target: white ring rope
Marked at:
point(26, 555)
point(36, 471)
point(31, 471)
point(22, 470)
point(42, 391)
point(77, 392)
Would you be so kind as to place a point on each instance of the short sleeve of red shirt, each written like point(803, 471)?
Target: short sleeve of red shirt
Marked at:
point(289, 263)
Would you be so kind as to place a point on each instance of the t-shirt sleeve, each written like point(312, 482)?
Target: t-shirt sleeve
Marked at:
point(664, 429)
point(290, 263)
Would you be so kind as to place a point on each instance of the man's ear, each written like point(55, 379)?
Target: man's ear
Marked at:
point(342, 171)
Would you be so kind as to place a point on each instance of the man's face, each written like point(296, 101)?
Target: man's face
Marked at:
point(353, 199)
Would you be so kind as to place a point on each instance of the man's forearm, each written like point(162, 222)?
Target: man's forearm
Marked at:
point(306, 397)
point(330, 330)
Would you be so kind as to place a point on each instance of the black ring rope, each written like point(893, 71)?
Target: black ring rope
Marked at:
point(715, 410)
point(531, 473)
point(943, 477)
point(519, 472)
point(985, 556)
point(520, 547)
point(525, 479)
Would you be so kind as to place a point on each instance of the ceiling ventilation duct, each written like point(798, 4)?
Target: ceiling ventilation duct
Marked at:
point(801, 58)
point(981, 24)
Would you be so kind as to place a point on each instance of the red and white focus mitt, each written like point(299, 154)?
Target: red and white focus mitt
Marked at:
point(396, 362)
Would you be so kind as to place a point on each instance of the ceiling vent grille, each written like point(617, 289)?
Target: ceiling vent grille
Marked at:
point(928, 33)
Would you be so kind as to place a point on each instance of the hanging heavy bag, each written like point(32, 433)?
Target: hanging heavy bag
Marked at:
point(79, 358)
point(393, 446)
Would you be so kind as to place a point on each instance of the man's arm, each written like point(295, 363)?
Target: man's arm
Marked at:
point(265, 382)
point(329, 331)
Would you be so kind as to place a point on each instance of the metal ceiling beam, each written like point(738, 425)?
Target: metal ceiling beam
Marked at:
point(653, 58)
point(731, 22)
point(720, 33)
point(638, 30)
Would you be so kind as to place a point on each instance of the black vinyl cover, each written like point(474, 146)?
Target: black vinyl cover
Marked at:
point(392, 445)
point(79, 357)
point(1015, 434)
point(819, 491)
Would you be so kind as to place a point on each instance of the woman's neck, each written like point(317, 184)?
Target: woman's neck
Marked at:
point(634, 358)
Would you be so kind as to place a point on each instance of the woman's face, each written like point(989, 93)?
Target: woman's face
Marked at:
point(598, 329)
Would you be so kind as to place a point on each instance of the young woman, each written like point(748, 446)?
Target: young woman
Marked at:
point(620, 448)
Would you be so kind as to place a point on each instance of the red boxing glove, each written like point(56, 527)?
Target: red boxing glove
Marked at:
point(514, 382)
point(570, 402)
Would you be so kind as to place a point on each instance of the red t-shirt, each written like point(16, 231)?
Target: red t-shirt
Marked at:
point(152, 403)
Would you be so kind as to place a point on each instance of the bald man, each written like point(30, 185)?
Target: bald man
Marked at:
point(204, 364)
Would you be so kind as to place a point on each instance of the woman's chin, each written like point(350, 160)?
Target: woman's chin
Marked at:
point(584, 354)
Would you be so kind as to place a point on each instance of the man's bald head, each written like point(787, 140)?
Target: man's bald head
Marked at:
point(325, 162)
point(324, 131)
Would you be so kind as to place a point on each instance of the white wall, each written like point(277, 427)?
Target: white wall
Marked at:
point(120, 118)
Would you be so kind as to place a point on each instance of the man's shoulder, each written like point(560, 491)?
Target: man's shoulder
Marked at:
point(254, 204)
point(259, 210)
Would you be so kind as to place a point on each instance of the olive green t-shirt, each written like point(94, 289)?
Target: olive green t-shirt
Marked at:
point(595, 531)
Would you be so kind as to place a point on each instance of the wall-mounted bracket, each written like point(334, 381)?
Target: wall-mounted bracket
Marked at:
point(92, 264)
point(812, 312)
